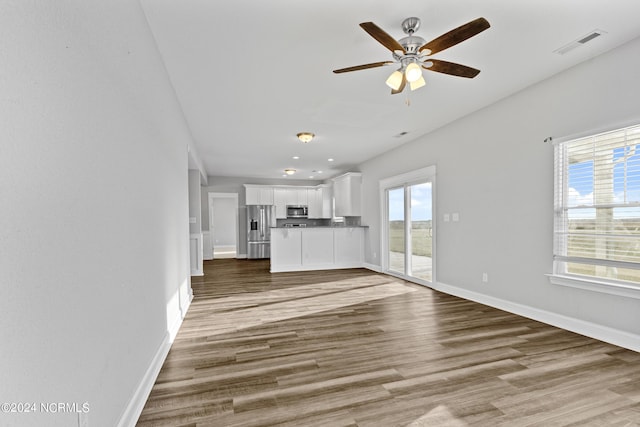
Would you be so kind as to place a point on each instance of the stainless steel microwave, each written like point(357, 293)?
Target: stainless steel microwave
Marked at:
point(297, 211)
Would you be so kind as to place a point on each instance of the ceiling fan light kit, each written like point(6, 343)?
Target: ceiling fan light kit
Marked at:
point(395, 80)
point(413, 72)
point(413, 52)
point(417, 84)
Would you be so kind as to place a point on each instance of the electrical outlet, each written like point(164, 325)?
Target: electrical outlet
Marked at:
point(485, 278)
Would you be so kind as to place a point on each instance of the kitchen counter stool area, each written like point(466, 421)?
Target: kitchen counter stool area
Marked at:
point(316, 248)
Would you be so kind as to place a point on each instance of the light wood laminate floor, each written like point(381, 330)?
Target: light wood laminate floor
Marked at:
point(356, 348)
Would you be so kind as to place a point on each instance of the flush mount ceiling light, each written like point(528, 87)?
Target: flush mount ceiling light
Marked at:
point(305, 136)
point(289, 171)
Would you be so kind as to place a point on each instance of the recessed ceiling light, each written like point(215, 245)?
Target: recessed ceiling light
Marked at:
point(311, 177)
point(295, 157)
point(330, 160)
point(289, 171)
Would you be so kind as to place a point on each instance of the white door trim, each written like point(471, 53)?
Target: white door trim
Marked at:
point(211, 196)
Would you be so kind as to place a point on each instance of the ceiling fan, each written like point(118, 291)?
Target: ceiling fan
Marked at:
point(413, 53)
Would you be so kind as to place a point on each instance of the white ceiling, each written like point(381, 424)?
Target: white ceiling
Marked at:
point(250, 74)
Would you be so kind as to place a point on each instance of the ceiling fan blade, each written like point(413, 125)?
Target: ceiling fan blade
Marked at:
point(379, 34)
point(452, 68)
point(363, 67)
point(402, 85)
point(456, 36)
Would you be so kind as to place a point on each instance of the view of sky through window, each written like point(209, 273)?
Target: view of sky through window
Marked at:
point(420, 203)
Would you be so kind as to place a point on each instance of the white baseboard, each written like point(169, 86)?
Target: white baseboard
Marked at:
point(133, 410)
point(241, 256)
point(315, 267)
point(589, 329)
point(372, 267)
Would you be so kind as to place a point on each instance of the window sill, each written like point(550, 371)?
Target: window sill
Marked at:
point(620, 289)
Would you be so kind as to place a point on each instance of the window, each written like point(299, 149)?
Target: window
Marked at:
point(597, 208)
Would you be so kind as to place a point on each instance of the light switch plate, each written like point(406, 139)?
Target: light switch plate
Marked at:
point(445, 217)
point(455, 217)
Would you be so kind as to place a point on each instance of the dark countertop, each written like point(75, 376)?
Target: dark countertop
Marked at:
point(323, 226)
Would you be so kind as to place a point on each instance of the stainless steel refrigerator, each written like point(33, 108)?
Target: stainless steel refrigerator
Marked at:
point(260, 219)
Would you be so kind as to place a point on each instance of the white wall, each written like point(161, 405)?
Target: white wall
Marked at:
point(494, 169)
point(93, 207)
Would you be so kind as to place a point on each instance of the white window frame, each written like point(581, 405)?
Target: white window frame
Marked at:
point(560, 258)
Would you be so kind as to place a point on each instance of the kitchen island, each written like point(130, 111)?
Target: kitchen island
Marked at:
point(316, 248)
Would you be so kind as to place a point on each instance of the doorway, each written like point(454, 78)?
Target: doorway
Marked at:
point(223, 224)
point(408, 227)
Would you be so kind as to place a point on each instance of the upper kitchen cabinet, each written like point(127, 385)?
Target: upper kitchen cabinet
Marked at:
point(347, 191)
point(319, 202)
point(258, 195)
point(280, 200)
point(289, 196)
point(297, 196)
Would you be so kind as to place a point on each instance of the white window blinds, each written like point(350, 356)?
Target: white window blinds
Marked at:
point(597, 206)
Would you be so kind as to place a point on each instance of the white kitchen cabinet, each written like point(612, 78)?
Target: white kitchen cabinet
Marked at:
point(317, 247)
point(327, 202)
point(297, 196)
point(258, 195)
point(293, 196)
point(348, 246)
point(347, 191)
point(286, 249)
point(314, 197)
point(280, 200)
point(319, 202)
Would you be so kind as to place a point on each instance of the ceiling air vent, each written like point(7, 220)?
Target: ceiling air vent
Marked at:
point(579, 42)
point(401, 134)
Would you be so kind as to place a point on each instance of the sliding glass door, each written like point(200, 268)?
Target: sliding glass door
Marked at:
point(420, 231)
point(409, 230)
point(396, 230)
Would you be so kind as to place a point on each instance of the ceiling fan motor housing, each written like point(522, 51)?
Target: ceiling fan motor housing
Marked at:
point(410, 25)
point(411, 44)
